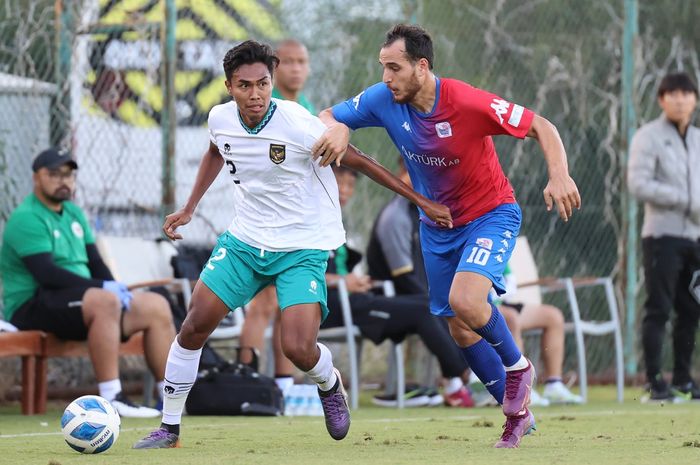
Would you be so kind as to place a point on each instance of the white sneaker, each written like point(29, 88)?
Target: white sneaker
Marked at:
point(558, 393)
point(126, 408)
point(537, 400)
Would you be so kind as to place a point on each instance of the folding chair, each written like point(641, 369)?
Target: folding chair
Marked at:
point(531, 288)
point(350, 334)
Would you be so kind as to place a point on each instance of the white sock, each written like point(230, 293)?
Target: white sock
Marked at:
point(180, 375)
point(453, 385)
point(110, 389)
point(159, 387)
point(521, 364)
point(284, 382)
point(322, 373)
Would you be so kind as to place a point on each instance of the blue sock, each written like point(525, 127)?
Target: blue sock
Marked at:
point(487, 365)
point(497, 334)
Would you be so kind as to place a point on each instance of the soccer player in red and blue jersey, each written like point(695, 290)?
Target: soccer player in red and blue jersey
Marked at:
point(443, 129)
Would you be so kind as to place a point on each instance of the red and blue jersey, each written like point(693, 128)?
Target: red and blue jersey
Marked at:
point(449, 152)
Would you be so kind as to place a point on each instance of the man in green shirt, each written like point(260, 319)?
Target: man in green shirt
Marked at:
point(55, 280)
point(292, 72)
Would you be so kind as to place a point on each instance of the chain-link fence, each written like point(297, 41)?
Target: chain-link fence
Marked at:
point(560, 58)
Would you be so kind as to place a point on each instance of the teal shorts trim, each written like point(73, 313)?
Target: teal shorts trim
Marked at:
point(236, 272)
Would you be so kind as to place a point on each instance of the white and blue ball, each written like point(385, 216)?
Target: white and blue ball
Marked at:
point(90, 424)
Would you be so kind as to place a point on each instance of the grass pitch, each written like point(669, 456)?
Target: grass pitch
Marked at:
point(599, 433)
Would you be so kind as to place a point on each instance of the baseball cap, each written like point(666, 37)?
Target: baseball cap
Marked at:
point(52, 158)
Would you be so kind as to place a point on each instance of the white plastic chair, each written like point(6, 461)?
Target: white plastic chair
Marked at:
point(530, 290)
point(350, 334)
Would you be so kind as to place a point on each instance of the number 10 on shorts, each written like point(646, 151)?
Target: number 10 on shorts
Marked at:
point(479, 256)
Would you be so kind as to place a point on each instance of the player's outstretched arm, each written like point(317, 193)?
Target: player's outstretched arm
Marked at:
point(561, 189)
point(209, 169)
point(368, 166)
point(333, 143)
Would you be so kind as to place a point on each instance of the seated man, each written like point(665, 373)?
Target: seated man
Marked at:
point(525, 317)
point(55, 281)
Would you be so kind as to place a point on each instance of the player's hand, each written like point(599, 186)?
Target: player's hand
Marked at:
point(332, 144)
point(562, 192)
point(173, 221)
point(437, 212)
point(357, 283)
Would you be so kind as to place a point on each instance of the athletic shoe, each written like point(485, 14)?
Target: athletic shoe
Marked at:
point(515, 428)
point(415, 396)
point(557, 393)
point(158, 439)
point(518, 386)
point(460, 398)
point(657, 391)
point(126, 408)
point(537, 400)
point(435, 397)
point(688, 391)
point(335, 409)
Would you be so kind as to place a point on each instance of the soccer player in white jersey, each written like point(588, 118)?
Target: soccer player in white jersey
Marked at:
point(287, 218)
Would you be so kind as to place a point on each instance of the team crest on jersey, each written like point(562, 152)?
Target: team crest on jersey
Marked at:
point(227, 147)
point(277, 153)
point(443, 129)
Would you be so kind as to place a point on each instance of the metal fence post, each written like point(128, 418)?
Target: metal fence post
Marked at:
point(168, 116)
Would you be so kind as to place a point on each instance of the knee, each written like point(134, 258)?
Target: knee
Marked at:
point(101, 305)
point(157, 309)
point(194, 332)
point(464, 304)
point(554, 316)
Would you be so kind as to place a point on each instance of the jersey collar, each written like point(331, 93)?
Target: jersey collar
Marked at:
point(263, 122)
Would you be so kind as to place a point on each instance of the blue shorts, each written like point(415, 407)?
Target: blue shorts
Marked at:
point(481, 246)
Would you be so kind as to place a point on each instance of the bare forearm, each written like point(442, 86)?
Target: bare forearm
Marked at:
point(552, 146)
point(209, 169)
point(368, 166)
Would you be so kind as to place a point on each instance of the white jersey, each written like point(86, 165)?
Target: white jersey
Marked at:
point(284, 200)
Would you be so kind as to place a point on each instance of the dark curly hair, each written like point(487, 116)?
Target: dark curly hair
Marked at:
point(247, 53)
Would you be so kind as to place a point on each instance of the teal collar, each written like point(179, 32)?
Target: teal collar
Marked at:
point(262, 123)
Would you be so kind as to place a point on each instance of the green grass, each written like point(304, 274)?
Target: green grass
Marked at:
point(601, 432)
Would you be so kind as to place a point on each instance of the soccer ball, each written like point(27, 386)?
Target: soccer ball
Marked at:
point(90, 424)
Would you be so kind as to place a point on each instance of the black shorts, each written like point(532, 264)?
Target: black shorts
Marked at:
point(518, 307)
point(57, 311)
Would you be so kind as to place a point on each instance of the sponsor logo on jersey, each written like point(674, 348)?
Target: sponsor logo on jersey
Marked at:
point(516, 115)
point(277, 153)
point(500, 107)
point(443, 129)
point(426, 159)
point(484, 242)
point(227, 147)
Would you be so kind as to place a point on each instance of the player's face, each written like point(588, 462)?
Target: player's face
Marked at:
point(678, 105)
point(402, 77)
point(346, 187)
point(293, 69)
point(251, 88)
point(56, 184)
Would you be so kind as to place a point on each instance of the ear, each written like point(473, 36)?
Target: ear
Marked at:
point(227, 83)
point(423, 66)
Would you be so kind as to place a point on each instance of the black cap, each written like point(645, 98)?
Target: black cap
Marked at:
point(53, 158)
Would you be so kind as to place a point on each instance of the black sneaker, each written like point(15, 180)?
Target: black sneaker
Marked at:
point(687, 391)
point(657, 391)
point(414, 396)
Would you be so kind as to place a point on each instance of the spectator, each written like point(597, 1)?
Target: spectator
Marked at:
point(56, 281)
point(664, 173)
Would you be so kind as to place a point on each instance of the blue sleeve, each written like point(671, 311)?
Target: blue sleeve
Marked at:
point(364, 109)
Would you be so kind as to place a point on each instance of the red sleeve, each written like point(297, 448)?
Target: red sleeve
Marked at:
point(489, 114)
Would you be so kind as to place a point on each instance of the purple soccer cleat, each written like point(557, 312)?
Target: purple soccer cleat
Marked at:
point(517, 394)
point(158, 439)
point(335, 409)
point(514, 429)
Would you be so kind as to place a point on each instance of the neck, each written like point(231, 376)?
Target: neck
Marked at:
point(681, 126)
point(424, 100)
point(287, 94)
point(50, 204)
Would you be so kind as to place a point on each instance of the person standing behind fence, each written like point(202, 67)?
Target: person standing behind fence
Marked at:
point(56, 281)
point(664, 173)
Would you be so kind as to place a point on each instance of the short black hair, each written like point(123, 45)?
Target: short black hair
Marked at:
point(677, 81)
point(342, 169)
point(418, 42)
point(247, 53)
